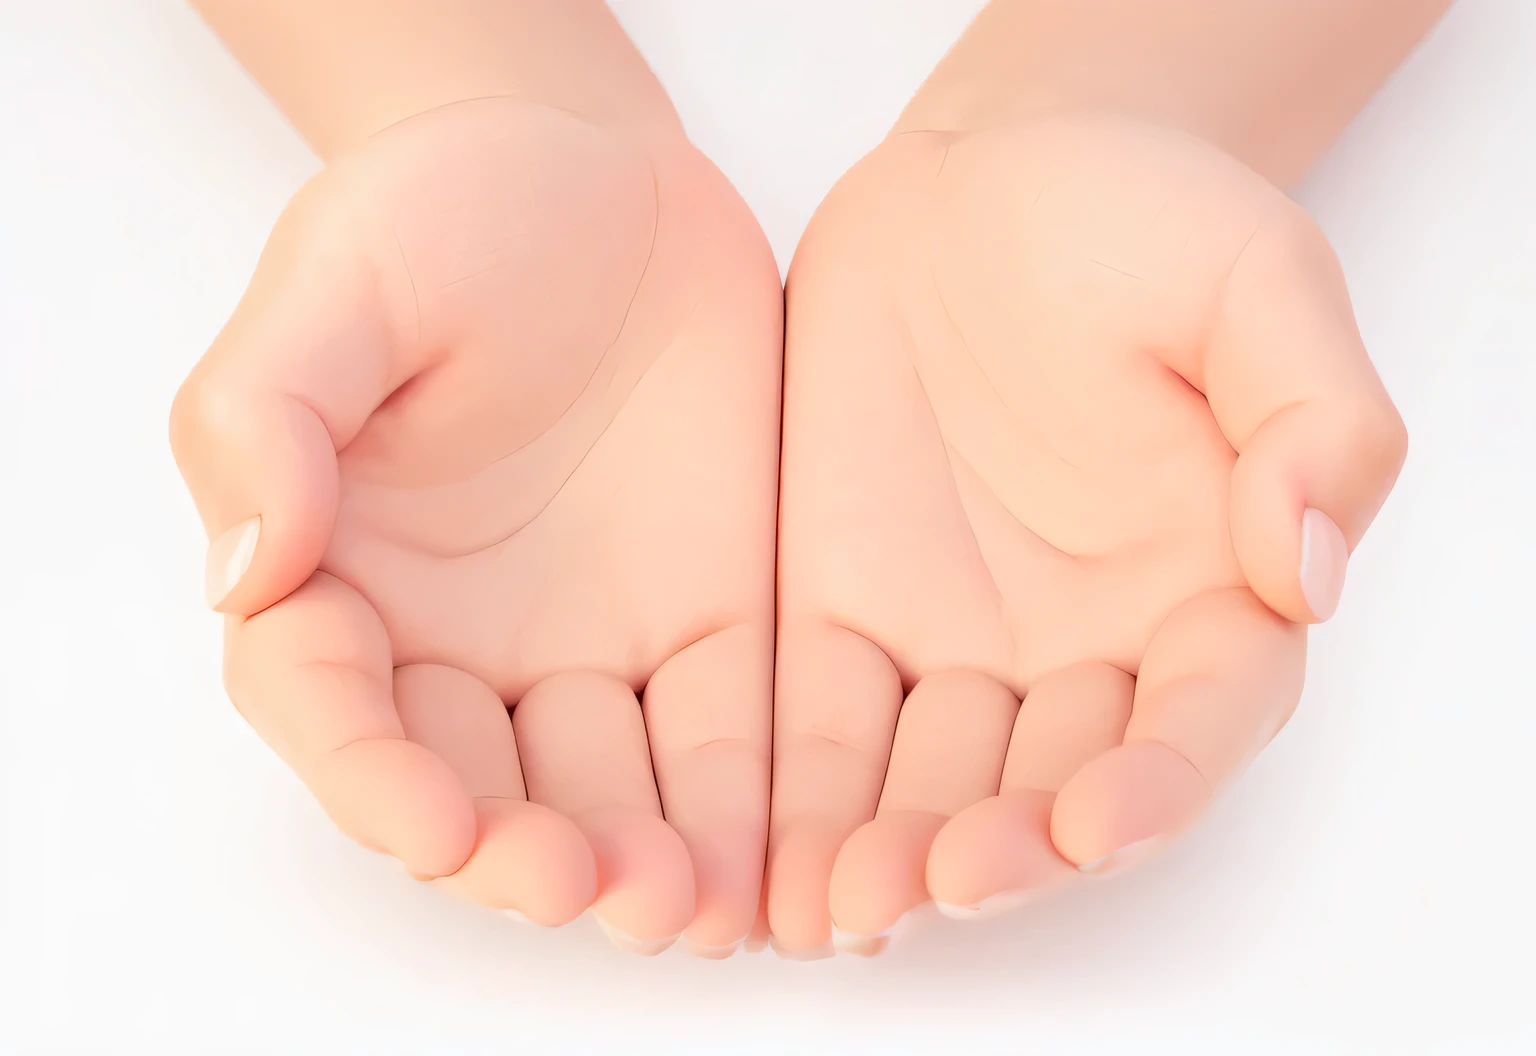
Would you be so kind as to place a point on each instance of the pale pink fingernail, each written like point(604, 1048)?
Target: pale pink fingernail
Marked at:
point(228, 557)
point(867, 945)
point(992, 906)
point(1127, 856)
point(1324, 554)
point(713, 953)
point(629, 944)
point(815, 953)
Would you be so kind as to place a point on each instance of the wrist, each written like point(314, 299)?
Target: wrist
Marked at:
point(344, 70)
point(1270, 83)
point(999, 77)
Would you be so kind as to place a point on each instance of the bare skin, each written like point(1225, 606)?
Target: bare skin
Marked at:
point(1076, 415)
point(488, 453)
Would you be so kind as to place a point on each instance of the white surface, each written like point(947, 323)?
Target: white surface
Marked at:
point(167, 885)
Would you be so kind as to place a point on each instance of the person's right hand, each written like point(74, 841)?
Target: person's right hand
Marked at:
point(496, 425)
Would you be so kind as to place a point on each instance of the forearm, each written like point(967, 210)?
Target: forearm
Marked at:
point(1271, 81)
point(344, 69)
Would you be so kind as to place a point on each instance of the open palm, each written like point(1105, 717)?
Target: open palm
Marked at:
point(1076, 414)
point(496, 425)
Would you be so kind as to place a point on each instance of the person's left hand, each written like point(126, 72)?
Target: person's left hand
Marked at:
point(1075, 414)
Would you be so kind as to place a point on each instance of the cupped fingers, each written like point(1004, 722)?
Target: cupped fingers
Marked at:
point(527, 859)
point(836, 698)
point(997, 854)
point(585, 755)
point(1220, 677)
point(708, 713)
point(948, 753)
point(312, 674)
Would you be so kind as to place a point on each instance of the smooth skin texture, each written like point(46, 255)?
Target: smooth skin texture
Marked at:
point(1078, 433)
point(488, 455)
point(1077, 416)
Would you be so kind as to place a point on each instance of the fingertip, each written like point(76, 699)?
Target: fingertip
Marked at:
point(996, 853)
point(878, 873)
point(261, 468)
point(527, 859)
point(559, 873)
point(1324, 557)
point(728, 881)
point(396, 797)
point(627, 943)
point(800, 865)
point(645, 877)
point(1134, 793)
point(865, 944)
point(1304, 490)
point(229, 556)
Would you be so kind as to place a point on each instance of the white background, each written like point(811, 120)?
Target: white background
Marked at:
point(1368, 887)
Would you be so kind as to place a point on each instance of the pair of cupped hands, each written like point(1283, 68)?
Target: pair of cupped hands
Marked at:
point(575, 563)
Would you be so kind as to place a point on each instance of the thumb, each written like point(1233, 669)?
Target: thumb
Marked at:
point(288, 382)
point(1319, 442)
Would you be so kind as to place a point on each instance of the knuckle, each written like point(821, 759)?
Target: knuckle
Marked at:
point(1377, 433)
point(1288, 240)
point(181, 415)
point(200, 404)
point(238, 684)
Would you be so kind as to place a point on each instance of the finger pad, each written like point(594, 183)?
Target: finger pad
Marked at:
point(645, 877)
point(799, 872)
point(530, 859)
point(1002, 844)
point(728, 879)
point(399, 798)
point(879, 872)
point(1131, 793)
